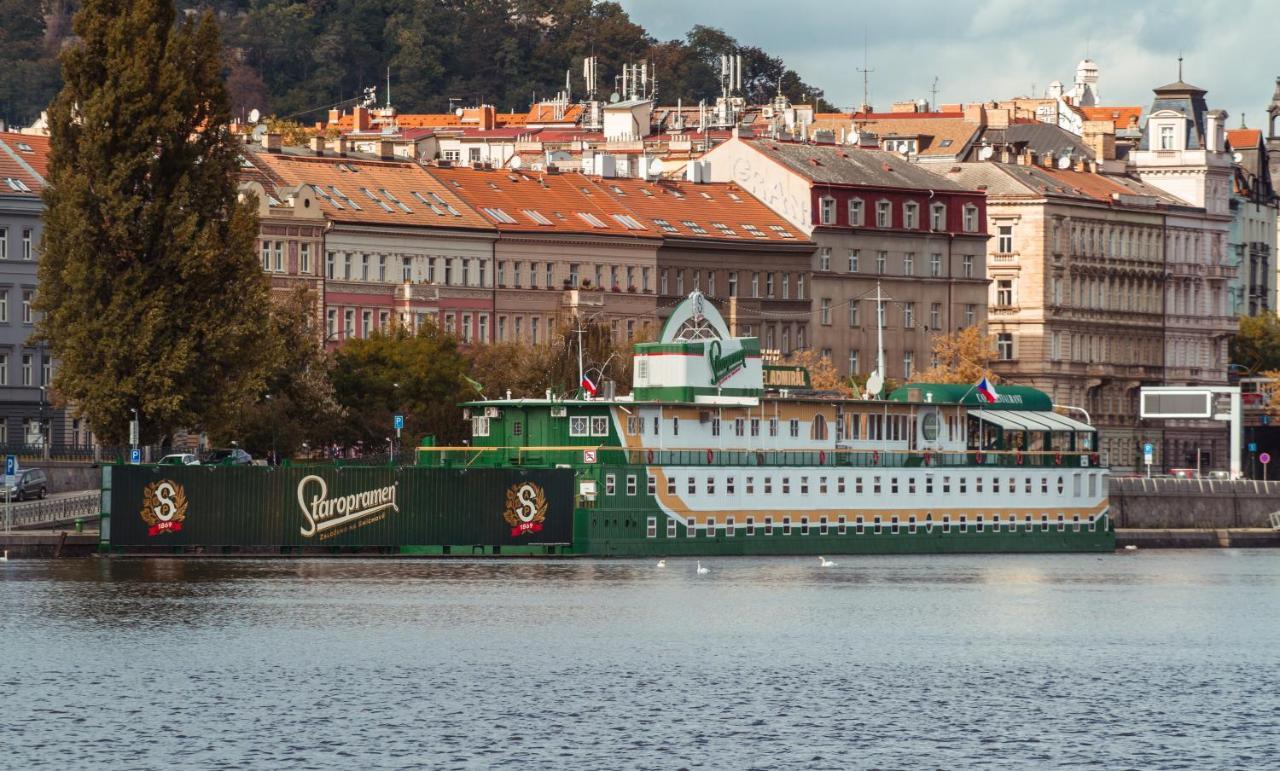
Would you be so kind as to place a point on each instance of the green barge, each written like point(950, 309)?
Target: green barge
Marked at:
point(714, 453)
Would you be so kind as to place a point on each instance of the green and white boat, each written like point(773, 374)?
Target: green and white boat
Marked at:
point(716, 453)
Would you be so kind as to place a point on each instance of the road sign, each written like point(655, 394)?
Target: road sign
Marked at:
point(1148, 455)
point(399, 422)
point(10, 469)
point(588, 456)
point(135, 456)
point(133, 431)
point(1148, 448)
point(1253, 446)
point(1264, 458)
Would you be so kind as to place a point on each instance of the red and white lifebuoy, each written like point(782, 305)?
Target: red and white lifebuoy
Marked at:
point(928, 458)
point(711, 456)
point(977, 457)
point(875, 457)
point(1057, 459)
point(822, 457)
point(649, 456)
point(1017, 457)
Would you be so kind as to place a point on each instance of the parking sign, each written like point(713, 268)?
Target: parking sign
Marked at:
point(10, 469)
point(399, 422)
point(135, 456)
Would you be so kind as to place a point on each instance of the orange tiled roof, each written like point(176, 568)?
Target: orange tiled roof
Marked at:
point(707, 206)
point(24, 158)
point(543, 203)
point(1244, 139)
point(934, 129)
point(1121, 117)
point(426, 120)
point(546, 113)
point(372, 192)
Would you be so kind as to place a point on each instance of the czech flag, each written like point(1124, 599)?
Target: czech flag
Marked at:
point(588, 386)
point(987, 391)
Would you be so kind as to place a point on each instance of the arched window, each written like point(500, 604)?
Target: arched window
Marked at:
point(818, 429)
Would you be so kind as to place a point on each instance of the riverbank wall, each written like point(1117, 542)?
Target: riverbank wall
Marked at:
point(1139, 503)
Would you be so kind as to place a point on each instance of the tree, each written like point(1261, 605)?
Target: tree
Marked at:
point(1256, 346)
point(528, 371)
point(823, 375)
point(152, 296)
point(419, 376)
point(963, 357)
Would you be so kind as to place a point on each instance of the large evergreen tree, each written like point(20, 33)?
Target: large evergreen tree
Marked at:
point(151, 293)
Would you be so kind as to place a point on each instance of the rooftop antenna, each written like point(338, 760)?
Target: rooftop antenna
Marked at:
point(933, 94)
point(866, 72)
point(388, 87)
point(567, 86)
point(1179, 66)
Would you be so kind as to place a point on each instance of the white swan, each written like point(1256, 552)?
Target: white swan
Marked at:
point(826, 563)
point(701, 570)
point(5, 558)
point(1130, 547)
point(662, 563)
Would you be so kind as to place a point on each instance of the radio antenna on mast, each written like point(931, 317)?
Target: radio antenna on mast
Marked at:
point(866, 71)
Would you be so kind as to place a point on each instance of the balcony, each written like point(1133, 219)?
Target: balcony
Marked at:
point(582, 298)
point(1004, 258)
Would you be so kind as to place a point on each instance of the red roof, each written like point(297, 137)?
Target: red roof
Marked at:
point(24, 158)
point(516, 201)
point(711, 210)
point(1121, 117)
point(1244, 139)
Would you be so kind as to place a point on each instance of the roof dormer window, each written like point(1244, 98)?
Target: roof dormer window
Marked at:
point(828, 211)
point(1167, 138)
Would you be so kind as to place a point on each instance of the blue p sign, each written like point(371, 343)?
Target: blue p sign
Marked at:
point(10, 465)
point(399, 422)
point(135, 456)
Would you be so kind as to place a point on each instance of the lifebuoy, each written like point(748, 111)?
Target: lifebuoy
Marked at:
point(927, 458)
point(822, 457)
point(977, 457)
point(1057, 459)
point(711, 456)
point(875, 457)
point(1017, 457)
point(649, 455)
point(1093, 459)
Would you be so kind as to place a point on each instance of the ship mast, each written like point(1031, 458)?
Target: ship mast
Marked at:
point(879, 332)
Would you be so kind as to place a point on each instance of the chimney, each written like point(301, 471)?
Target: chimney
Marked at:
point(488, 117)
point(1100, 137)
point(272, 142)
point(360, 117)
point(317, 145)
point(339, 146)
point(387, 150)
point(1046, 160)
point(998, 118)
point(975, 113)
point(334, 117)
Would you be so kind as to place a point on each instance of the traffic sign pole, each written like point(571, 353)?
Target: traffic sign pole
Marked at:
point(1265, 459)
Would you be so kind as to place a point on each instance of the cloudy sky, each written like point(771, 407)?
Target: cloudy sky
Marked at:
point(986, 49)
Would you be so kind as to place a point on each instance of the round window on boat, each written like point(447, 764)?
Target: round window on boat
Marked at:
point(929, 426)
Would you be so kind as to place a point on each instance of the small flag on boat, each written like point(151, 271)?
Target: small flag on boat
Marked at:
point(588, 386)
point(987, 391)
point(474, 384)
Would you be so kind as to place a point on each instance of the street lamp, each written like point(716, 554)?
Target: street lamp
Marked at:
point(274, 461)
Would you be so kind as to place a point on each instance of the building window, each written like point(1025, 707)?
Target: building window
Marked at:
point(967, 266)
point(884, 214)
point(935, 265)
point(938, 216)
point(910, 215)
point(908, 315)
point(4, 306)
point(824, 258)
point(1166, 138)
point(28, 368)
point(4, 243)
point(853, 260)
point(733, 283)
point(825, 311)
point(935, 316)
point(909, 264)
point(799, 286)
point(970, 314)
point(882, 262)
point(908, 364)
point(970, 218)
point(828, 211)
point(331, 323)
point(854, 316)
point(349, 323)
point(856, 213)
point(1004, 293)
point(304, 258)
point(266, 256)
point(28, 296)
point(1004, 239)
point(406, 270)
point(366, 323)
point(26, 243)
point(1004, 346)
point(853, 362)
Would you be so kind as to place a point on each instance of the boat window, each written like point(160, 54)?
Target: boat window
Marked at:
point(479, 426)
point(751, 525)
point(1044, 486)
point(693, 485)
point(1062, 524)
point(818, 429)
point(1075, 485)
point(652, 488)
point(893, 526)
point(671, 485)
point(977, 484)
point(928, 484)
point(751, 485)
point(964, 484)
point(1093, 485)
point(822, 485)
point(711, 527)
point(875, 488)
point(711, 485)
point(768, 525)
point(946, 485)
point(1093, 523)
point(858, 527)
point(795, 429)
point(1044, 522)
point(1027, 524)
point(1013, 486)
point(651, 530)
point(579, 426)
point(822, 526)
point(517, 428)
point(911, 485)
point(728, 485)
point(877, 528)
point(786, 485)
point(729, 527)
point(893, 485)
point(1061, 487)
point(981, 525)
point(804, 526)
point(857, 485)
point(1027, 486)
point(768, 485)
point(610, 484)
point(804, 485)
point(842, 527)
point(995, 485)
point(631, 484)
point(671, 527)
point(599, 425)
point(786, 525)
point(995, 523)
point(691, 528)
point(1075, 523)
point(675, 426)
point(911, 524)
point(946, 523)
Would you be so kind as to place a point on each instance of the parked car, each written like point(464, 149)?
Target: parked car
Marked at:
point(30, 483)
point(232, 457)
point(180, 459)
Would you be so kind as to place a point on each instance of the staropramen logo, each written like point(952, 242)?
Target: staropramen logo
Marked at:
point(724, 366)
point(326, 517)
point(526, 508)
point(164, 507)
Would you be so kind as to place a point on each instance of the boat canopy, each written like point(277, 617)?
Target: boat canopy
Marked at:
point(1030, 420)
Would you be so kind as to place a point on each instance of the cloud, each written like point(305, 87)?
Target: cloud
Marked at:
point(991, 49)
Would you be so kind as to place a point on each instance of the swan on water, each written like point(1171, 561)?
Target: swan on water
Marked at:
point(662, 563)
point(826, 563)
point(701, 570)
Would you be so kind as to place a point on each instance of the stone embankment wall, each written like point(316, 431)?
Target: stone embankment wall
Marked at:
point(68, 476)
point(1162, 504)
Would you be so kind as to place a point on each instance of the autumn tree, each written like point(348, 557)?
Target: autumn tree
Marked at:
point(1256, 345)
point(153, 299)
point(962, 357)
point(823, 375)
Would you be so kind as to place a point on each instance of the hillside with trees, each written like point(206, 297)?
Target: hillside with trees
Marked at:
point(295, 58)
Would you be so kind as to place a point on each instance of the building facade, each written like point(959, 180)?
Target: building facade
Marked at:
point(877, 222)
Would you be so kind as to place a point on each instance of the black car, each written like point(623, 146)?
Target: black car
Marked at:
point(30, 483)
point(232, 457)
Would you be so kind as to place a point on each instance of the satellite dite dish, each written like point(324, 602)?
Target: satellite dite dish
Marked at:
point(1237, 157)
point(458, 112)
point(254, 115)
point(655, 168)
point(985, 153)
point(875, 383)
point(516, 162)
point(615, 97)
point(259, 131)
point(1064, 162)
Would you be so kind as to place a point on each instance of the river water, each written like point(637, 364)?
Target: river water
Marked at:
point(1137, 660)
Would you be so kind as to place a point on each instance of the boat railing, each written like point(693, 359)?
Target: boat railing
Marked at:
point(713, 456)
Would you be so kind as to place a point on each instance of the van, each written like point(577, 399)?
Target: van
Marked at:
point(30, 483)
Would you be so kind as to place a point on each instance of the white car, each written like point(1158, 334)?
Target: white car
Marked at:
point(180, 459)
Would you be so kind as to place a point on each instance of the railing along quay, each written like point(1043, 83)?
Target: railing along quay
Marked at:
point(31, 515)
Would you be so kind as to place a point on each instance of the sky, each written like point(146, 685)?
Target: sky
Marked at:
point(992, 49)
